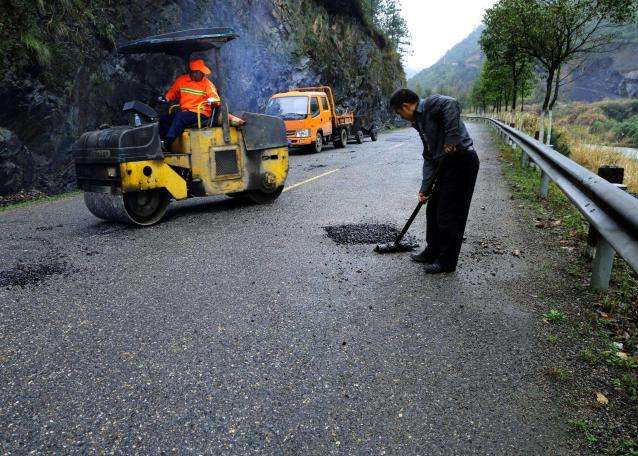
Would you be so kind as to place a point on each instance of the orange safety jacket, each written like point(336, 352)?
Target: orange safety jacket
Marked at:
point(192, 93)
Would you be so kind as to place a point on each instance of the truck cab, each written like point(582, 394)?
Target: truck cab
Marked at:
point(310, 118)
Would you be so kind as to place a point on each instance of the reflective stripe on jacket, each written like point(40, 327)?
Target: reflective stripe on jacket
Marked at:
point(191, 93)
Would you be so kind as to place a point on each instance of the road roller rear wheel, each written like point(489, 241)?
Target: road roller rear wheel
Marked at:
point(147, 207)
point(262, 197)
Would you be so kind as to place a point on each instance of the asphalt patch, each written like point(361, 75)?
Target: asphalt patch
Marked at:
point(28, 274)
point(364, 233)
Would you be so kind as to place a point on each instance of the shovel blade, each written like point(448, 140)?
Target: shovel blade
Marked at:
point(393, 247)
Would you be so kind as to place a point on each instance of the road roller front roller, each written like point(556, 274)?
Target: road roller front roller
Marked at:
point(128, 177)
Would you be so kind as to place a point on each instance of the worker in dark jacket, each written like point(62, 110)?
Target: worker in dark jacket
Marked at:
point(450, 166)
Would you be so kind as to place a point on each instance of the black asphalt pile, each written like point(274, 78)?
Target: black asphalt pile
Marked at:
point(363, 233)
point(24, 275)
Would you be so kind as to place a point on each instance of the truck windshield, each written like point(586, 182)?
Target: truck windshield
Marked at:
point(288, 108)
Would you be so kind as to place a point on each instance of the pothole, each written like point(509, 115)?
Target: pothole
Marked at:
point(27, 274)
point(364, 233)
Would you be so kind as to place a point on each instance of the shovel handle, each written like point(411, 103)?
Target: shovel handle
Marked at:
point(409, 222)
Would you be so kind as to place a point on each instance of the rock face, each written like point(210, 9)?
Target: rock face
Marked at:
point(598, 78)
point(282, 44)
point(16, 164)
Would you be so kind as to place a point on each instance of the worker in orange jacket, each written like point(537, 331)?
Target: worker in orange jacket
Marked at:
point(196, 93)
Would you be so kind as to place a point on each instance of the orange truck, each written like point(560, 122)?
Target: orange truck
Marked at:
point(312, 121)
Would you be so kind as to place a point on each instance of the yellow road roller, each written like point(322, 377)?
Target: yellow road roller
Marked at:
point(126, 175)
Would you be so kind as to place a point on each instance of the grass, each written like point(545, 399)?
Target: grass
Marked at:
point(561, 374)
point(585, 429)
point(39, 199)
point(555, 316)
point(590, 356)
point(573, 136)
point(593, 335)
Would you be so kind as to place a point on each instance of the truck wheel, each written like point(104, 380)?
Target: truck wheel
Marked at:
point(317, 146)
point(262, 197)
point(341, 140)
point(373, 134)
point(359, 137)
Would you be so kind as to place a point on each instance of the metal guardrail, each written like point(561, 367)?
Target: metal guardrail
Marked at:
point(610, 210)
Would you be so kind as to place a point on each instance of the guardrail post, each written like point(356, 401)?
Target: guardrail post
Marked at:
point(615, 175)
point(544, 187)
point(603, 264)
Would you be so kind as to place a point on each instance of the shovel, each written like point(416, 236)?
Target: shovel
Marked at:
point(396, 246)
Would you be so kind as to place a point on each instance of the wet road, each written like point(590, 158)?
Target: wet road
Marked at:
point(239, 329)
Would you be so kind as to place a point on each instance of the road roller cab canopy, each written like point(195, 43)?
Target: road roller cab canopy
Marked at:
point(181, 44)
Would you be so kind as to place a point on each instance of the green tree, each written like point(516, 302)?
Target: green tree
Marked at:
point(557, 32)
point(388, 17)
point(501, 51)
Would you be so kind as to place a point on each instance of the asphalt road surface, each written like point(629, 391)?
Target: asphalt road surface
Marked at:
point(238, 329)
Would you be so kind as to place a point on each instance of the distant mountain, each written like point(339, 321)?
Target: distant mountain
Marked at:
point(456, 71)
point(610, 74)
point(410, 72)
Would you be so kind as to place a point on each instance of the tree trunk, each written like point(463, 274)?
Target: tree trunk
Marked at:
point(514, 91)
point(551, 107)
point(548, 94)
point(548, 88)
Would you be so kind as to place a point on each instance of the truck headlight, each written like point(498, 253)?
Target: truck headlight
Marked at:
point(303, 133)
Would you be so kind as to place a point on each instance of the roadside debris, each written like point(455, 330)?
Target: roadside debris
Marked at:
point(21, 197)
point(601, 399)
point(547, 223)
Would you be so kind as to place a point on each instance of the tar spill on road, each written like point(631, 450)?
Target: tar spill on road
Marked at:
point(26, 274)
point(363, 233)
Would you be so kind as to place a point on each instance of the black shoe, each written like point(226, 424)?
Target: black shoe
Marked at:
point(424, 257)
point(437, 268)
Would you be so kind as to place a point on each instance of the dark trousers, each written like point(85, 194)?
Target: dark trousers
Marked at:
point(448, 207)
point(171, 126)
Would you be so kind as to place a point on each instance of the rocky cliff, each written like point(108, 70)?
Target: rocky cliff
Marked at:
point(63, 75)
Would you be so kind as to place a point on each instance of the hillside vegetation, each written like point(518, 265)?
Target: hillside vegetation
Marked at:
point(584, 130)
point(613, 122)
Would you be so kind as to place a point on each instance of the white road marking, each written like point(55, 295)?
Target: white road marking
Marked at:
point(396, 147)
point(307, 181)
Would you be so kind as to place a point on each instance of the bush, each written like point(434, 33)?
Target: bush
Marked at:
point(627, 132)
point(589, 117)
point(560, 144)
point(620, 110)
